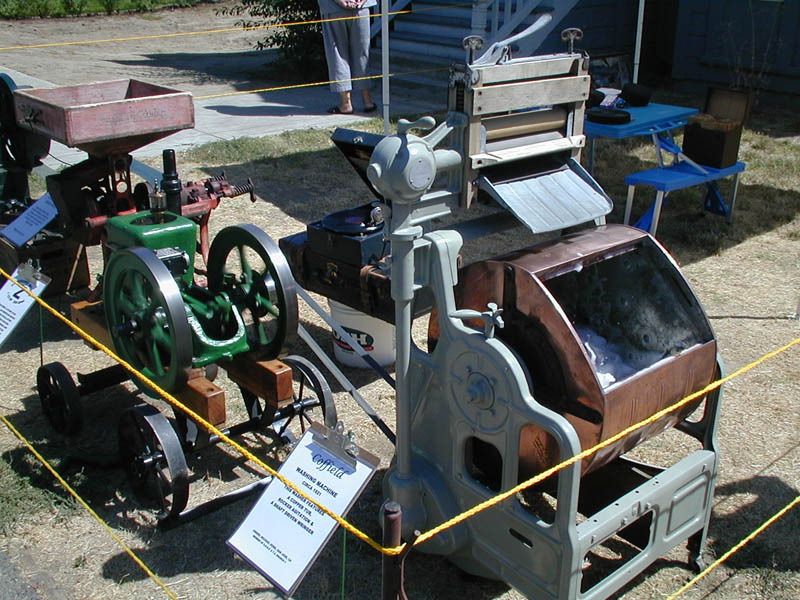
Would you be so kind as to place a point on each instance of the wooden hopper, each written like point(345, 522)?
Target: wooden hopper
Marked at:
point(105, 118)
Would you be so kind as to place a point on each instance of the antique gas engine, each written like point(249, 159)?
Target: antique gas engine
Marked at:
point(177, 329)
point(165, 324)
point(539, 354)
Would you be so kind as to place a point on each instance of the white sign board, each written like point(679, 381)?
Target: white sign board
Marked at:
point(31, 221)
point(284, 532)
point(15, 302)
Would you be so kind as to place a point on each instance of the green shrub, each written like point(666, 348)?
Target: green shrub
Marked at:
point(110, 6)
point(42, 8)
point(142, 5)
point(13, 9)
point(74, 7)
point(300, 47)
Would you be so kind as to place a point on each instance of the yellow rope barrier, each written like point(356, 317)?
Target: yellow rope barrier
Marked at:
point(305, 85)
point(736, 548)
point(136, 38)
point(91, 511)
point(197, 418)
point(458, 518)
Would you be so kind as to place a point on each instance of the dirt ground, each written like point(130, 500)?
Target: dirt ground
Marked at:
point(202, 64)
point(745, 275)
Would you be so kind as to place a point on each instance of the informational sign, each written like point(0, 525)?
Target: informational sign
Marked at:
point(14, 301)
point(31, 221)
point(284, 533)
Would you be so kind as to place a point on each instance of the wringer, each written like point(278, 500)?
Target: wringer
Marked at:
point(534, 355)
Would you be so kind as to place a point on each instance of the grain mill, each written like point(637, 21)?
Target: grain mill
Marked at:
point(173, 323)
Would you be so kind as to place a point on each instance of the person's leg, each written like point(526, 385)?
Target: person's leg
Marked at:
point(359, 57)
point(345, 102)
point(337, 54)
point(366, 98)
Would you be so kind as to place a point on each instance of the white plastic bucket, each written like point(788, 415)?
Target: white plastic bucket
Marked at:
point(376, 337)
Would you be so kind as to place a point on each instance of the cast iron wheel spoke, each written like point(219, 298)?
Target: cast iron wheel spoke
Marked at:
point(127, 308)
point(138, 286)
point(161, 336)
point(275, 319)
point(247, 270)
point(137, 290)
point(154, 358)
point(60, 398)
point(153, 459)
point(313, 401)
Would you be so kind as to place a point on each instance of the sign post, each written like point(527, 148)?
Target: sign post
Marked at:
point(31, 221)
point(284, 533)
point(14, 301)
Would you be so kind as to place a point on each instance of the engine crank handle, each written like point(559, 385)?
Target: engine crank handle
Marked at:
point(294, 409)
point(214, 504)
point(345, 382)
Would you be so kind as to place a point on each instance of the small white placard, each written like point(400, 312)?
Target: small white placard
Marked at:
point(15, 302)
point(284, 533)
point(31, 221)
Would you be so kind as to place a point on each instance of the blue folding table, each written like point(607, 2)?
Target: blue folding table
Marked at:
point(647, 120)
point(658, 121)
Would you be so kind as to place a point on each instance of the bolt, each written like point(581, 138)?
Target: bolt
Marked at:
point(127, 328)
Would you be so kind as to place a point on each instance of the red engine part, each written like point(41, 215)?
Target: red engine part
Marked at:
point(199, 198)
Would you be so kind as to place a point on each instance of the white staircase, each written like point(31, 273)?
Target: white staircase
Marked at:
point(423, 44)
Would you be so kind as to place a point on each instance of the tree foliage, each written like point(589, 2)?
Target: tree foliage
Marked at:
point(299, 45)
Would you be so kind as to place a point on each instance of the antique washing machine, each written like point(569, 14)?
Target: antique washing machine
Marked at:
point(539, 354)
point(605, 332)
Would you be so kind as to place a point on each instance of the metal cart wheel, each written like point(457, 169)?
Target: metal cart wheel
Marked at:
point(61, 400)
point(247, 265)
point(312, 401)
point(153, 459)
point(146, 317)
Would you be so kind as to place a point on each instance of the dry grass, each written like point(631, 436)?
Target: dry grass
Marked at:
point(745, 275)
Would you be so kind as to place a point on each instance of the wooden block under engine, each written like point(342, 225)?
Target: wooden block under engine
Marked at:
point(268, 379)
point(205, 398)
point(89, 316)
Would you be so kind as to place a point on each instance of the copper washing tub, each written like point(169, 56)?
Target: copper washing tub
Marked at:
point(608, 329)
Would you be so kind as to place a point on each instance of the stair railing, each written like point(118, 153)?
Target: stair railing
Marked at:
point(394, 7)
point(506, 16)
point(494, 20)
